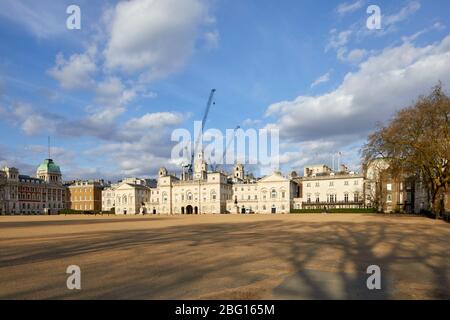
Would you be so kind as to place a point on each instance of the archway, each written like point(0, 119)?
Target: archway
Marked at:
point(196, 210)
point(154, 211)
point(189, 209)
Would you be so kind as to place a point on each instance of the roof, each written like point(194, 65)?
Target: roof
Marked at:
point(31, 179)
point(49, 166)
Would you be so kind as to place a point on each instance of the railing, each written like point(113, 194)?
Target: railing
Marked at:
point(334, 204)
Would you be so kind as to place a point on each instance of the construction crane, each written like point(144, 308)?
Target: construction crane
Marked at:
point(205, 116)
point(227, 147)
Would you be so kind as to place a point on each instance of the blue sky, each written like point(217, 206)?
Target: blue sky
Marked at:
point(110, 94)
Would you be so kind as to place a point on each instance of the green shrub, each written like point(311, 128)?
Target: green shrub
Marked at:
point(69, 211)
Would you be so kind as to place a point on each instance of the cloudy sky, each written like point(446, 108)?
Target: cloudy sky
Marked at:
point(110, 94)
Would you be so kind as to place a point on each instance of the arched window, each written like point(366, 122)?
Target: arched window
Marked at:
point(346, 197)
point(273, 194)
point(164, 197)
point(124, 199)
point(189, 196)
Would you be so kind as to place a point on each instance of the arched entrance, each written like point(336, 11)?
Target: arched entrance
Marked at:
point(154, 211)
point(182, 210)
point(189, 209)
point(274, 209)
point(196, 210)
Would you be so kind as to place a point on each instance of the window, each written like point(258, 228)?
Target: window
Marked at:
point(308, 185)
point(317, 198)
point(273, 194)
point(308, 198)
point(283, 194)
point(331, 184)
point(345, 197)
point(389, 187)
point(356, 196)
point(317, 184)
point(389, 198)
point(355, 182)
point(345, 183)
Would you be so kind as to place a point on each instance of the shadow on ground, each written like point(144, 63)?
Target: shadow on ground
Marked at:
point(266, 259)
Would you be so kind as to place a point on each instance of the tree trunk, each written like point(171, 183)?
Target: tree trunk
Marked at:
point(436, 203)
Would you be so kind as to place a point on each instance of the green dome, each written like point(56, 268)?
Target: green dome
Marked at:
point(49, 166)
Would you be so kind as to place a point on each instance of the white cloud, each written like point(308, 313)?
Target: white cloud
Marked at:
point(381, 85)
point(411, 8)
point(338, 39)
point(76, 72)
point(139, 146)
point(348, 7)
point(153, 37)
point(43, 18)
point(30, 121)
point(322, 79)
point(355, 56)
point(212, 39)
point(436, 26)
point(155, 120)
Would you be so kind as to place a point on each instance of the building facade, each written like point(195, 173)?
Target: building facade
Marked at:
point(42, 194)
point(323, 188)
point(85, 195)
point(211, 192)
point(108, 198)
point(130, 197)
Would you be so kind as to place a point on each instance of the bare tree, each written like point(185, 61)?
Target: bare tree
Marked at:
point(417, 142)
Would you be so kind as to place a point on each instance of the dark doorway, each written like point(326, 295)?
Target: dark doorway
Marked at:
point(196, 210)
point(154, 211)
point(274, 210)
point(189, 209)
point(243, 210)
point(182, 210)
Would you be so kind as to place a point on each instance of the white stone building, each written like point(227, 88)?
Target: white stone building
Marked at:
point(131, 198)
point(126, 197)
point(271, 194)
point(109, 198)
point(209, 192)
point(324, 188)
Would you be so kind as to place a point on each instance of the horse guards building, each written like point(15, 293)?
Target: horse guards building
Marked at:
point(208, 192)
